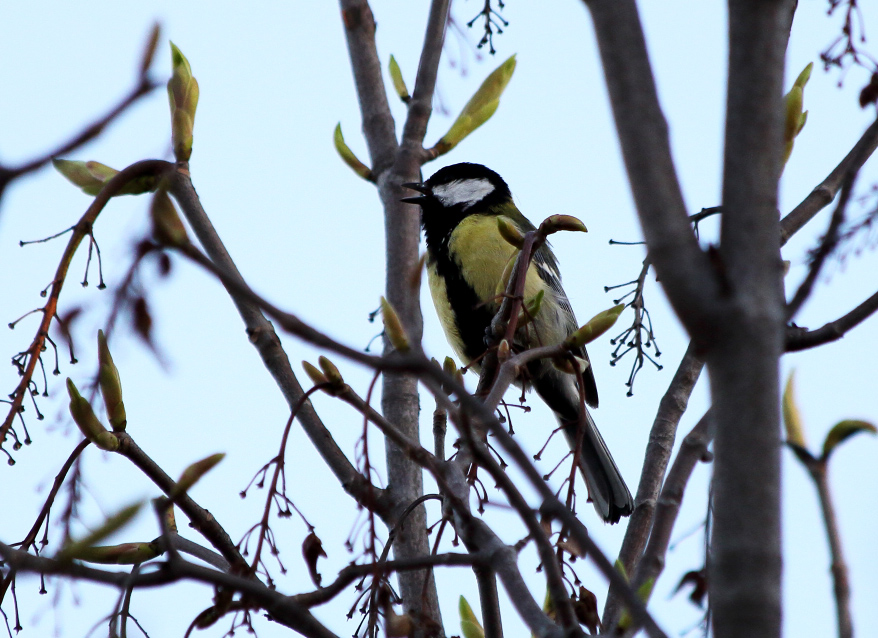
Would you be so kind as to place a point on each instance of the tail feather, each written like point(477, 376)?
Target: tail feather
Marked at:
point(606, 487)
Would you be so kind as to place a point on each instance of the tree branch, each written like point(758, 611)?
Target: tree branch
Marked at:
point(680, 264)
point(693, 449)
point(825, 192)
point(827, 245)
point(840, 580)
point(747, 338)
point(641, 525)
point(282, 609)
point(266, 342)
point(802, 339)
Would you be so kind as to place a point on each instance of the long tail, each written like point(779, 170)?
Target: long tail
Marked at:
point(606, 487)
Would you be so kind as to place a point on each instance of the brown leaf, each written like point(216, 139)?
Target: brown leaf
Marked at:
point(699, 581)
point(312, 549)
point(586, 608)
point(142, 320)
point(869, 94)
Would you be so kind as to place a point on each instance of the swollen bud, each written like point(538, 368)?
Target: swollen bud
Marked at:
point(794, 116)
point(111, 385)
point(348, 157)
point(597, 326)
point(314, 374)
point(123, 554)
point(89, 424)
point(470, 626)
point(183, 95)
point(113, 523)
point(167, 227)
point(792, 419)
point(556, 223)
point(192, 474)
point(503, 351)
point(531, 309)
point(510, 232)
point(479, 109)
point(398, 83)
point(89, 176)
point(393, 327)
point(843, 430)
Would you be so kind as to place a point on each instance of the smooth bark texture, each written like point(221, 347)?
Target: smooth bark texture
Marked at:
point(658, 453)
point(729, 298)
point(392, 165)
point(745, 559)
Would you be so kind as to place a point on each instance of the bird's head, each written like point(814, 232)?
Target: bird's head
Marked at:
point(459, 190)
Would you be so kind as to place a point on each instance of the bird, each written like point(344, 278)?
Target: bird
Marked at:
point(466, 259)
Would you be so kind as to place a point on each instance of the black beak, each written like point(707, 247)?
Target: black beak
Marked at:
point(416, 186)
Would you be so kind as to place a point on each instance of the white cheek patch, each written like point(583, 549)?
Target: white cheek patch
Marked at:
point(463, 191)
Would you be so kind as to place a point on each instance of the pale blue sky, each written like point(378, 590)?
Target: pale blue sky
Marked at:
point(307, 233)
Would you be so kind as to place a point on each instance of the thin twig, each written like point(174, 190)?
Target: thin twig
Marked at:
point(802, 339)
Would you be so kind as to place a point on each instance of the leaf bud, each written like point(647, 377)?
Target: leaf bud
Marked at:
point(348, 157)
point(509, 231)
point(192, 474)
point(167, 227)
point(331, 372)
point(314, 374)
point(111, 385)
point(557, 223)
point(393, 327)
point(596, 326)
point(84, 416)
point(398, 83)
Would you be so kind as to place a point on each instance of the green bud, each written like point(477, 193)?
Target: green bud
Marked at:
point(182, 126)
point(643, 592)
point(393, 327)
point(183, 93)
point(123, 554)
point(167, 227)
point(503, 351)
point(480, 107)
point(192, 474)
point(449, 366)
point(83, 415)
point(107, 441)
point(314, 374)
point(794, 117)
point(330, 371)
point(398, 82)
point(531, 309)
point(469, 624)
point(597, 326)
point(74, 549)
point(348, 157)
point(842, 431)
point(89, 176)
point(556, 223)
point(509, 231)
point(111, 385)
point(792, 419)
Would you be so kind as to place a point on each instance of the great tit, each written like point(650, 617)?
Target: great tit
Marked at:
point(466, 259)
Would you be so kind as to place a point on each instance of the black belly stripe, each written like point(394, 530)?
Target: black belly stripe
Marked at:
point(471, 316)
